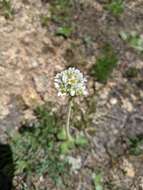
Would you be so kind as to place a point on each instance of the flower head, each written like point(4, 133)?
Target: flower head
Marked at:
point(70, 82)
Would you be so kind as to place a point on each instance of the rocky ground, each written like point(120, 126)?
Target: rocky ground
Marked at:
point(30, 56)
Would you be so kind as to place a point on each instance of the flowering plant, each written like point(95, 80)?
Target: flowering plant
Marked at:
point(70, 82)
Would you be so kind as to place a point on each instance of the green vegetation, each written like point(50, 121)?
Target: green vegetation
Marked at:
point(131, 72)
point(133, 39)
point(104, 65)
point(97, 181)
point(44, 20)
point(61, 11)
point(136, 145)
point(116, 7)
point(6, 8)
point(55, 152)
point(64, 31)
point(87, 40)
point(37, 149)
point(61, 14)
point(139, 83)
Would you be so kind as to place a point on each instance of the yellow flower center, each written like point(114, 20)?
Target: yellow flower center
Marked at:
point(72, 80)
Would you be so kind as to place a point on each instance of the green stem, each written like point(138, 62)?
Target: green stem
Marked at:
point(68, 135)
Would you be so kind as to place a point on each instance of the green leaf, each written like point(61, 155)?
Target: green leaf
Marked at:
point(135, 41)
point(62, 135)
point(64, 31)
point(124, 35)
point(99, 187)
point(81, 140)
point(21, 165)
point(97, 181)
point(87, 40)
point(66, 146)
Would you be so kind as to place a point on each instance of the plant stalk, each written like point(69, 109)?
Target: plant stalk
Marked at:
point(68, 135)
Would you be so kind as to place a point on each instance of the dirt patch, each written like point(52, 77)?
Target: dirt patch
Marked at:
point(31, 55)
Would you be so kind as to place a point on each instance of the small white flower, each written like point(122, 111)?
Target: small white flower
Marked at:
point(70, 82)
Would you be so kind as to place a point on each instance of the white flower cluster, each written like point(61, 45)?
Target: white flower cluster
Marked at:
point(70, 82)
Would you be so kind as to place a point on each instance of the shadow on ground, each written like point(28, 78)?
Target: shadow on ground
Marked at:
point(6, 167)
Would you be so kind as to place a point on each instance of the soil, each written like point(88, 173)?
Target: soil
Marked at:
point(31, 55)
